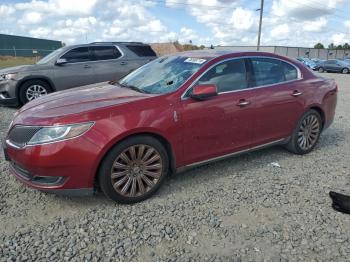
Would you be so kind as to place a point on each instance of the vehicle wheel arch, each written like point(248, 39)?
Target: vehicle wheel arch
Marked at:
point(165, 142)
point(320, 111)
point(33, 78)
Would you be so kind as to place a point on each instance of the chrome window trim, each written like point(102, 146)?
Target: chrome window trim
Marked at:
point(299, 75)
point(93, 61)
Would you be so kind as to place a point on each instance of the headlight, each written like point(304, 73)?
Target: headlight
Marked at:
point(57, 133)
point(10, 76)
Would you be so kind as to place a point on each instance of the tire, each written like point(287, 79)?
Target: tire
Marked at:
point(311, 120)
point(131, 173)
point(345, 71)
point(321, 70)
point(37, 87)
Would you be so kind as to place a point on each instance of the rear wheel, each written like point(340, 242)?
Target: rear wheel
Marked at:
point(345, 71)
point(33, 89)
point(306, 134)
point(134, 169)
point(321, 70)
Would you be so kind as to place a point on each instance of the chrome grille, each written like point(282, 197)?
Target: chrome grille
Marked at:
point(20, 135)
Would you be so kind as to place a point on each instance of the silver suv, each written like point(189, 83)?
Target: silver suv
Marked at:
point(70, 67)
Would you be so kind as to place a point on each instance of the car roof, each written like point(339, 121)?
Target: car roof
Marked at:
point(106, 43)
point(204, 53)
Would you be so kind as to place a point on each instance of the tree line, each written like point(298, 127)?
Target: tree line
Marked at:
point(346, 46)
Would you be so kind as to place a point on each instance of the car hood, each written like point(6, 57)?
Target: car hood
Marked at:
point(17, 69)
point(76, 101)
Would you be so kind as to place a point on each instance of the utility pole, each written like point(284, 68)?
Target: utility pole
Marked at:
point(260, 23)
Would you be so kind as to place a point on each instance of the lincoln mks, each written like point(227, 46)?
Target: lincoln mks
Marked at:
point(173, 113)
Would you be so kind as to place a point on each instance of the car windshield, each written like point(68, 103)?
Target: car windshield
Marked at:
point(163, 75)
point(47, 58)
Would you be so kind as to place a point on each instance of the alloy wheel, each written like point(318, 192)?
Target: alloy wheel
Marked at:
point(345, 71)
point(309, 132)
point(35, 91)
point(136, 170)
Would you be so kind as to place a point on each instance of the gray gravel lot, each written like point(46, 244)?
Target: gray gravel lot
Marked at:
point(238, 209)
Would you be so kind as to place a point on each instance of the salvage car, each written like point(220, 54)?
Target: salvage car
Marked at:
point(72, 66)
point(334, 65)
point(174, 113)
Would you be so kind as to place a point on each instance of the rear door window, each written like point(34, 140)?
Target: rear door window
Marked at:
point(141, 50)
point(269, 71)
point(105, 52)
point(79, 54)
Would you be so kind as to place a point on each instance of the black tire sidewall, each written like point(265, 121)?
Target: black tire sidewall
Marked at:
point(23, 89)
point(294, 140)
point(106, 165)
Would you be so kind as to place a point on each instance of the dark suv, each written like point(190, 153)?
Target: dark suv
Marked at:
point(72, 66)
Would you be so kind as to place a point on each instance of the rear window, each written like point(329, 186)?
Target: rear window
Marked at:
point(105, 52)
point(141, 50)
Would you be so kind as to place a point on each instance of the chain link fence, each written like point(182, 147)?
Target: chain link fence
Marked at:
point(18, 52)
point(293, 52)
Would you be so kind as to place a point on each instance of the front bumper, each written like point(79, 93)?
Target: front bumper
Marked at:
point(8, 93)
point(66, 167)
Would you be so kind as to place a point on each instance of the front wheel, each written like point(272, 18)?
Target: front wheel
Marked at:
point(33, 89)
point(306, 134)
point(345, 71)
point(321, 70)
point(134, 169)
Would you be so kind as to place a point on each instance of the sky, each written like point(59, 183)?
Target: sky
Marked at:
point(208, 22)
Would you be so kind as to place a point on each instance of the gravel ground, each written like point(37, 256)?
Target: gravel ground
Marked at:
point(240, 209)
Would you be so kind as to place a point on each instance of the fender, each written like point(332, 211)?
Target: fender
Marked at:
point(34, 77)
point(130, 133)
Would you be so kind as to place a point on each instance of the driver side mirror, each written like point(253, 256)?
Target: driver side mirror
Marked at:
point(202, 92)
point(61, 61)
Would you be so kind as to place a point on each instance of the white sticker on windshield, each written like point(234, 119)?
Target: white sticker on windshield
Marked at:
point(195, 60)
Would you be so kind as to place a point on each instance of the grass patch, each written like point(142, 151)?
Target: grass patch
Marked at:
point(8, 61)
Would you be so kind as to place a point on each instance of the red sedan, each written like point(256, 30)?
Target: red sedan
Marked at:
point(176, 112)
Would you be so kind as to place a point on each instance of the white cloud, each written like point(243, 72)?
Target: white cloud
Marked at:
point(6, 10)
point(280, 31)
point(242, 19)
point(40, 32)
point(303, 10)
point(31, 18)
point(224, 22)
point(339, 39)
point(59, 7)
point(347, 24)
point(315, 26)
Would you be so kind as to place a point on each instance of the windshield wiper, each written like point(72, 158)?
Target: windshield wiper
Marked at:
point(132, 88)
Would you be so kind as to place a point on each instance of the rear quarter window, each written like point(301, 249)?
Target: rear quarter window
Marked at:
point(141, 50)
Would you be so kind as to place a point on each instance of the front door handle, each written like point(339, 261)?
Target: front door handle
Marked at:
point(123, 63)
point(296, 93)
point(87, 66)
point(243, 103)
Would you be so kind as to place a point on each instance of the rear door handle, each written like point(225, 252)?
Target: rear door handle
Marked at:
point(87, 66)
point(243, 103)
point(123, 63)
point(296, 93)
